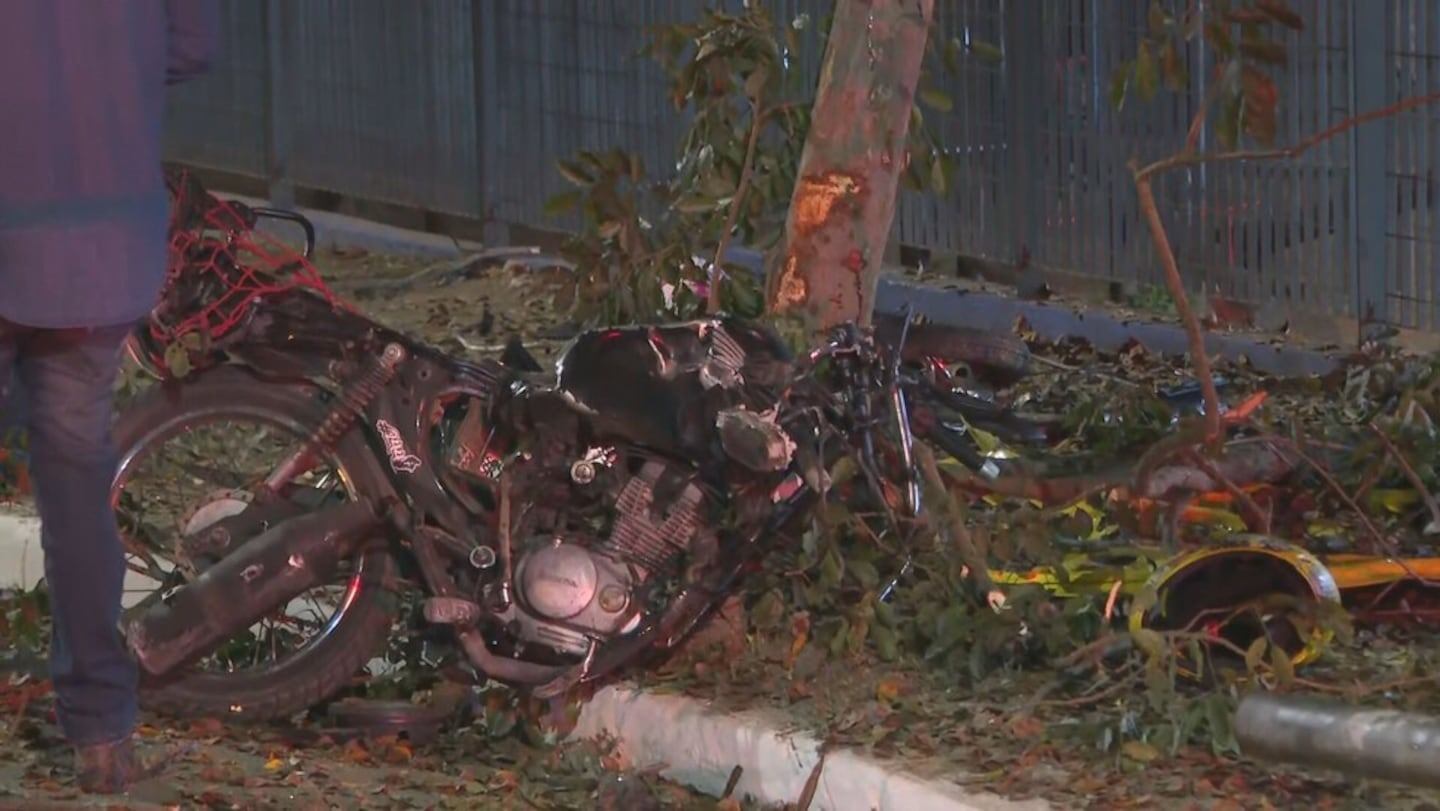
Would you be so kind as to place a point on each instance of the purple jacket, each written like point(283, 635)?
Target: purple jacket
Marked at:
point(82, 199)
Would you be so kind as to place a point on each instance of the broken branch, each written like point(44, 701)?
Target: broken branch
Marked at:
point(1258, 519)
point(1411, 474)
point(956, 529)
point(1191, 323)
point(1292, 151)
point(757, 122)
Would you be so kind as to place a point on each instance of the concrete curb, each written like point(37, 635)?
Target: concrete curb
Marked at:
point(696, 745)
point(699, 747)
point(22, 563)
point(1054, 322)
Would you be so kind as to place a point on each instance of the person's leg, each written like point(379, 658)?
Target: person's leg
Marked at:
point(69, 377)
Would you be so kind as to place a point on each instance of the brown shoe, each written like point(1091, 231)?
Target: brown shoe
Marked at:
point(110, 768)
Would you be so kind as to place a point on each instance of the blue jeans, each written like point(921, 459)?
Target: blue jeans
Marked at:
point(69, 376)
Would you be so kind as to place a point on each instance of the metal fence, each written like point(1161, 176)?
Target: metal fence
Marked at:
point(463, 106)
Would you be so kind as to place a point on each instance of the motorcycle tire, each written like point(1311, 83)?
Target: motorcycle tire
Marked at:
point(995, 358)
point(362, 627)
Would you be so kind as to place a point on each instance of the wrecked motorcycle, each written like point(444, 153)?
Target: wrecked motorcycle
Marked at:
point(559, 526)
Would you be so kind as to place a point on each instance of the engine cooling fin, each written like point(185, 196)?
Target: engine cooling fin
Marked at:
point(640, 535)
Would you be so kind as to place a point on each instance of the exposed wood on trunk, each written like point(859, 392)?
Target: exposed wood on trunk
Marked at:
point(844, 199)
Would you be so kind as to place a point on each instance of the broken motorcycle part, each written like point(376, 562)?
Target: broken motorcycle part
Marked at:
point(260, 576)
point(1322, 734)
point(1226, 592)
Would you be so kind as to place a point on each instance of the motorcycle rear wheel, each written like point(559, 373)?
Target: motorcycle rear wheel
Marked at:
point(358, 630)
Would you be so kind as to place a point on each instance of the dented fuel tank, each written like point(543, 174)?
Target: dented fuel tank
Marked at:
point(665, 385)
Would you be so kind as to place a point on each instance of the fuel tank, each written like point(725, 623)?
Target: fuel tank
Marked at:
point(664, 385)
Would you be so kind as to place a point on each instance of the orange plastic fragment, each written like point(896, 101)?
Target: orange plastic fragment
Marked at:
point(1248, 407)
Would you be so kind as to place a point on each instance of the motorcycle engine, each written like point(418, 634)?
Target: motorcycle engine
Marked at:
point(575, 586)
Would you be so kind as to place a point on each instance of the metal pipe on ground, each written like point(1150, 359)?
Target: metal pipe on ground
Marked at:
point(1355, 741)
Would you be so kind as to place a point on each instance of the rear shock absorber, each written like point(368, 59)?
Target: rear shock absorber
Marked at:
point(355, 397)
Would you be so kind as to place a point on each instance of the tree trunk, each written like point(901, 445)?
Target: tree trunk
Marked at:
point(844, 199)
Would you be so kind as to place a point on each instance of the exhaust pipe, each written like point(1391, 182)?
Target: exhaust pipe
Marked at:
point(262, 575)
point(1403, 747)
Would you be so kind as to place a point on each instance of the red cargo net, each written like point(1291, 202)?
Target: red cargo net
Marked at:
point(218, 265)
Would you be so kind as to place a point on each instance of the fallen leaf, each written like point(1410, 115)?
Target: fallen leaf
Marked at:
point(1026, 726)
point(889, 688)
point(1140, 751)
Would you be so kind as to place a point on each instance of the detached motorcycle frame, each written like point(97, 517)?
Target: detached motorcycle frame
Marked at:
point(397, 390)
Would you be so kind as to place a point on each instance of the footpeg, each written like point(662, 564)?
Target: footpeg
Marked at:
point(451, 611)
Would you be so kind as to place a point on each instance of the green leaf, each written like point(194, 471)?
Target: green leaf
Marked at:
point(951, 54)
point(695, 204)
point(769, 613)
point(1147, 76)
point(177, 360)
point(755, 84)
point(1218, 717)
point(1119, 84)
point(741, 296)
point(841, 639)
point(865, 572)
point(986, 51)
point(937, 175)
point(950, 627)
point(856, 634)
point(885, 613)
point(1157, 18)
point(1176, 77)
point(832, 569)
point(887, 643)
point(1255, 653)
point(936, 99)
point(1282, 665)
point(1145, 599)
point(1227, 123)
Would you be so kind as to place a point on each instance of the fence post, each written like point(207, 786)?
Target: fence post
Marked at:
point(1023, 68)
point(1369, 161)
point(278, 109)
point(485, 41)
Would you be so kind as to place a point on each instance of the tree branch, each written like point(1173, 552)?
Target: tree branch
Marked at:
point(1293, 151)
point(1182, 306)
point(1258, 519)
point(1411, 474)
point(757, 123)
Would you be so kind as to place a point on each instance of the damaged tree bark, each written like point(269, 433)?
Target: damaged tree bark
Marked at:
point(844, 201)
